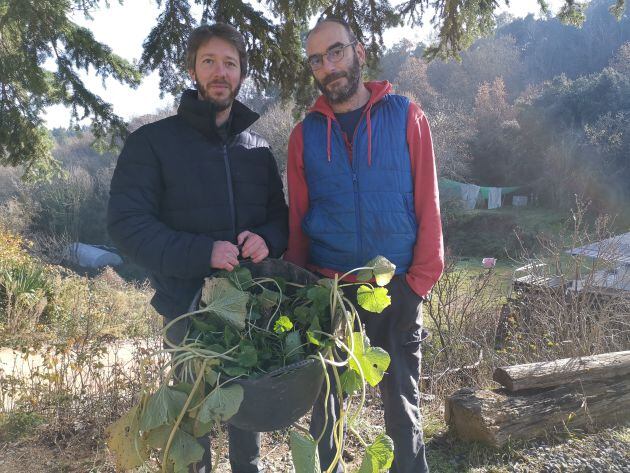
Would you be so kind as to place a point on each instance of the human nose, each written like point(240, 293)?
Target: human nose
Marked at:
point(327, 64)
point(219, 69)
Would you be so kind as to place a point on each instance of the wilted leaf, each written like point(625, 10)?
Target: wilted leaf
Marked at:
point(157, 438)
point(373, 360)
point(373, 299)
point(222, 300)
point(304, 453)
point(162, 408)
point(283, 324)
point(378, 456)
point(268, 299)
point(381, 270)
point(221, 404)
point(123, 439)
point(185, 450)
point(384, 270)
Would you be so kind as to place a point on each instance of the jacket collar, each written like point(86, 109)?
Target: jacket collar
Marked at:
point(200, 114)
point(377, 91)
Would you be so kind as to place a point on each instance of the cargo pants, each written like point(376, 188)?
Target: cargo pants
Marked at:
point(398, 330)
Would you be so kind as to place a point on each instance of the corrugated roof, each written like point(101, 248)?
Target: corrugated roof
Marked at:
point(616, 248)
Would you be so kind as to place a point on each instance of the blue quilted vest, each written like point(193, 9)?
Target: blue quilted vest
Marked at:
point(358, 211)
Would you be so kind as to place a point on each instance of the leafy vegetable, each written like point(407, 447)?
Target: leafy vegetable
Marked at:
point(247, 327)
point(304, 453)
point(378, 456)
point(229, 304)
point(373, 299)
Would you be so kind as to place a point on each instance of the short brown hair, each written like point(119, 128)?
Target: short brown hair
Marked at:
point(204, 33)
point(339, 21)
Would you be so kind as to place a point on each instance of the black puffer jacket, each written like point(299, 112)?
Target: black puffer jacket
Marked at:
point(178, 187)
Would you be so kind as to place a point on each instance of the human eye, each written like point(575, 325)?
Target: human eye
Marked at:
point(231, 64)
point(335, 53)
point(315, 60)
point(208, 60)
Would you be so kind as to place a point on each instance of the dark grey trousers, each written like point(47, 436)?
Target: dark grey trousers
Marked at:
point(398, 330)
point(244, 446)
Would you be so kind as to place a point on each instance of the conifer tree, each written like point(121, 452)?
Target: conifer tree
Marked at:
point(38, 32)
point(41, 52)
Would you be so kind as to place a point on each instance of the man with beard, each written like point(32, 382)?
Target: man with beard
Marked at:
point(193, 192)
point(362, 183)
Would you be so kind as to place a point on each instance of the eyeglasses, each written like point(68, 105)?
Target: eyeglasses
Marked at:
point(334, 54)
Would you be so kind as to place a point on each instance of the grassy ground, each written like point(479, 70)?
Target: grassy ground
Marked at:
point(32, 440)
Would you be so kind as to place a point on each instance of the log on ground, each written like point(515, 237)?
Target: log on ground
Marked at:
point(496, 416)
point(560, 372)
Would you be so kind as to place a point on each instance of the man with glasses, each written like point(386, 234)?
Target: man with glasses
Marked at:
point(362, 183)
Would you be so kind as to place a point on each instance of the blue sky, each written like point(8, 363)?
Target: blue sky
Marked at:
point(124, 28)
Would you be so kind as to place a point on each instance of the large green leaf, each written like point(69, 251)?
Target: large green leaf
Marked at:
point(241, 277)
point(378, 456)
point(185, 450)
point(221, 404)
point(304, 453)
point(373, 360)
point(248, 355)
point(373, 299)
point(224, 301)
point(162, 408)
point(320, 297)
point(124, 440)
point(381, 269)
point(350, 382)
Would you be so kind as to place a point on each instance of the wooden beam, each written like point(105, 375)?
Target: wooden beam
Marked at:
point(494, 417)
point(568, 370)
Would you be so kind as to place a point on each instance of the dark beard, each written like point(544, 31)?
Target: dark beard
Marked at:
point(222, 105)
point(341, 94)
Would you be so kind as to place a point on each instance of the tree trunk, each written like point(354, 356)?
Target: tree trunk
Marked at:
point(494, 417)
point(560, 372)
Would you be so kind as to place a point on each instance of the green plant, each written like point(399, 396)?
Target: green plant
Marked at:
point(18, 424)
point(23, 291)
point(246, 327)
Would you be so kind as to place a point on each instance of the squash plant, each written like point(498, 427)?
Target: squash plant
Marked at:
point(244, 328)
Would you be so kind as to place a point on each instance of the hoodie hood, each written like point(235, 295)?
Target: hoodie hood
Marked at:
point(377, 91)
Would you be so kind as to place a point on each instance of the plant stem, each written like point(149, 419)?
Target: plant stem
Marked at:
point(181, 415)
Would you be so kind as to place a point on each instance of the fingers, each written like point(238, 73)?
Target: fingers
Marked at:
point(254, 248)
point(224, 255)
point(242, 237)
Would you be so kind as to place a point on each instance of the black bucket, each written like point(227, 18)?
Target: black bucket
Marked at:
point(278, 399)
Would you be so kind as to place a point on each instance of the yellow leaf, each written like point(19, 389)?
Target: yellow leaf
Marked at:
point(125, 442)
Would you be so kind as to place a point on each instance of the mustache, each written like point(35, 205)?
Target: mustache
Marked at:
point(219, 82)
point(333, 77)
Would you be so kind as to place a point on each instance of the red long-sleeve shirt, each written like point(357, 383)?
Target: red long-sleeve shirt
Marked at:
point(428, 252)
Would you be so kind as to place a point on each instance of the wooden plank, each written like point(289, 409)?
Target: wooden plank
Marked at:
point(564, 371)
point(494, 417)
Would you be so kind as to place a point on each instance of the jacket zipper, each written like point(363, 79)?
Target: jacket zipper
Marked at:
point(355, 184)
point(228, 173)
